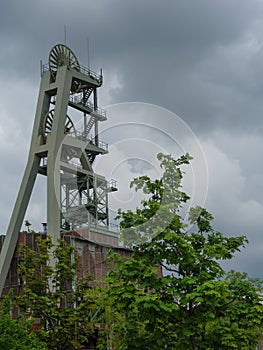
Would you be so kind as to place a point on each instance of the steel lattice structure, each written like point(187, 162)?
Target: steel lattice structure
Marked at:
point(76, 196)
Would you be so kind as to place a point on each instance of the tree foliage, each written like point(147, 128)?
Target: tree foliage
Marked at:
point(55, 296)
point(14, 333)
point(171, 294)
point(194, 304)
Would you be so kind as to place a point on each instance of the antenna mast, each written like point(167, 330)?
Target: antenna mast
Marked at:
point(65, 34)
point(88, 52)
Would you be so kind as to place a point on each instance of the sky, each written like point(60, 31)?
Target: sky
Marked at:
point(179, 76)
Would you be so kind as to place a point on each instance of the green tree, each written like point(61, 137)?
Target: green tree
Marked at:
point(14, 333)
point(194, 304)
point(55, 296)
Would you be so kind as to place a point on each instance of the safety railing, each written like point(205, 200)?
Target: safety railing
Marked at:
point(87, 137)
point(112, 183)
point(101, 145)
point(93, 75)
point(79, 100)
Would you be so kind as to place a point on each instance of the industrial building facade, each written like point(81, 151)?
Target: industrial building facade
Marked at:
point(91, 248)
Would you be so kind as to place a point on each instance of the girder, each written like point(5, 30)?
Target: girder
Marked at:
point(63, 154)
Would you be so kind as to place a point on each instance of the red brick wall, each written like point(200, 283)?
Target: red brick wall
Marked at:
point(102, 237)
point(92, 257)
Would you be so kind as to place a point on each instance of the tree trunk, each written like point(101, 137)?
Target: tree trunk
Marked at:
point(193, 342)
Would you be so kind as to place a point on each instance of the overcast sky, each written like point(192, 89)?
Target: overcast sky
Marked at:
point(201, 60)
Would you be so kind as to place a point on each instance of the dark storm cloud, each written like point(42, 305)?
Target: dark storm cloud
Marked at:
point(122, 31)
point(160, 50)
point(168, 57)
point(169, 54)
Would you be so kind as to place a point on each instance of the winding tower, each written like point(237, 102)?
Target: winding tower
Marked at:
point(64, 153)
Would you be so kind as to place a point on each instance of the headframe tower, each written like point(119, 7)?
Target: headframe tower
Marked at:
point(76, 196)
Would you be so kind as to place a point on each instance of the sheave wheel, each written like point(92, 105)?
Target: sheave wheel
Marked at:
point(60, 55)
point(48, 122)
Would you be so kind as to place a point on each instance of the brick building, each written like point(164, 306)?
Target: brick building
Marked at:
point(91, 247)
